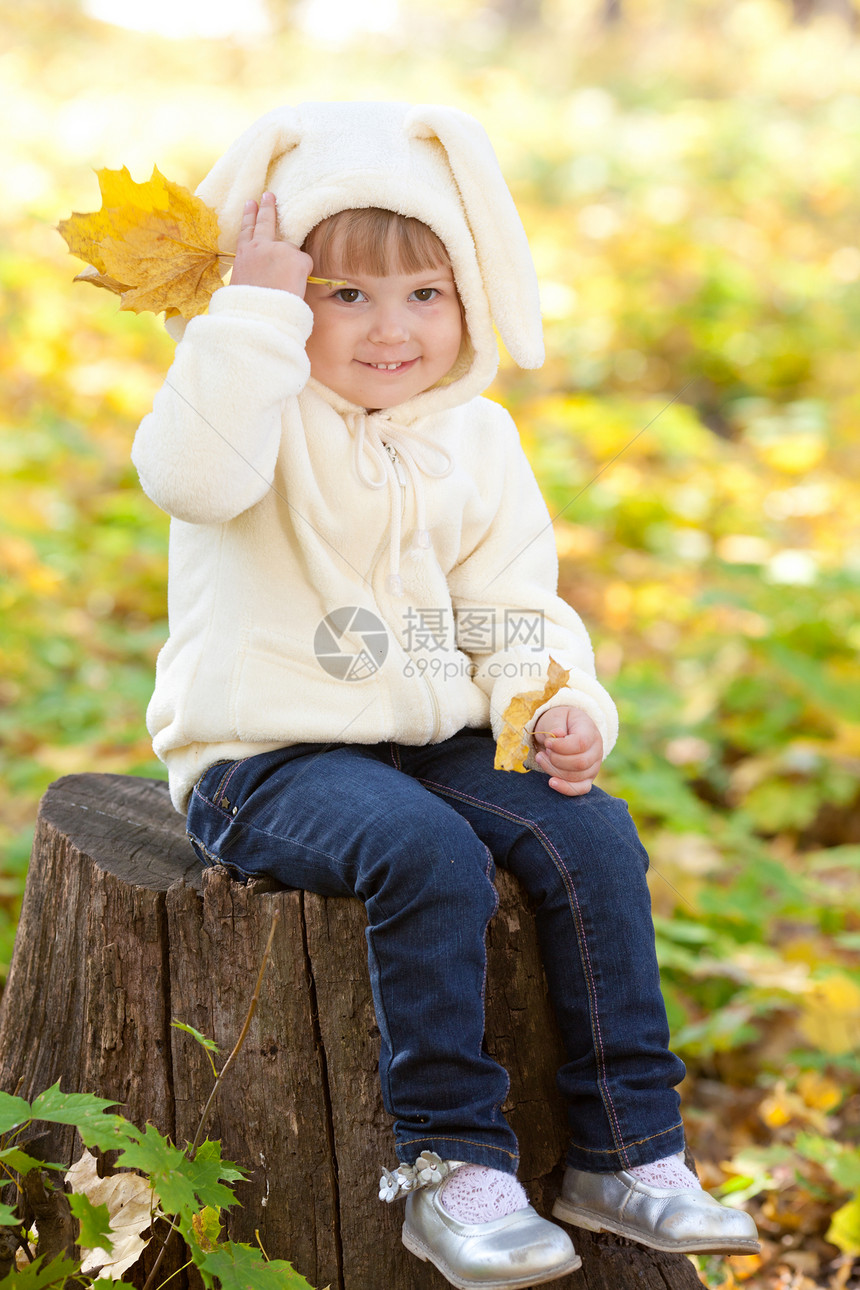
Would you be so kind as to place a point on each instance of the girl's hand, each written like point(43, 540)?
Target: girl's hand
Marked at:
point(574, 755)
point(264, 261)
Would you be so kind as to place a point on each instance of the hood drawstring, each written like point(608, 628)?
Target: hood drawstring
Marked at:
point(371, 434)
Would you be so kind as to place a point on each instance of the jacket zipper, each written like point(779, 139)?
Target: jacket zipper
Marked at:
point(401, 479)
point(398, 470)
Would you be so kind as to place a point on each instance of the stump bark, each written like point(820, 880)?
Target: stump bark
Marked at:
point(121, 932)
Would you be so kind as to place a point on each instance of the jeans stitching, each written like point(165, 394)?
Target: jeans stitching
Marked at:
point(606, 1095)
point(597, 1151)
point(215, 802)
point(219, 791)
point(490, 865)
point(195, 792)
point(225, 784)
point(441, 1137)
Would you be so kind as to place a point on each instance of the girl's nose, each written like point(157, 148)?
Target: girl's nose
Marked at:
point(389, 327)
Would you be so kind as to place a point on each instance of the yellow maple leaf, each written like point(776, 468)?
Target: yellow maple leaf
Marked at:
point(512, 747)
point(153, 244)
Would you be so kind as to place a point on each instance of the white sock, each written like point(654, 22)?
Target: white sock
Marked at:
point(478, 1194)
point(670, 1172)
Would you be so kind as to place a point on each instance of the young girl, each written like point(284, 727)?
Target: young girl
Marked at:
point(362, 577)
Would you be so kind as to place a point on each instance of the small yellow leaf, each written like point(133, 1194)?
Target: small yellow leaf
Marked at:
point(512, 747)
point(154, 244)
point(207, 1227)
point(844, 1230)
point(780, 1107)
point(820, 1092)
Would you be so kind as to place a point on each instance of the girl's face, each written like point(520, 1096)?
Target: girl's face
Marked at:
point(379, 341)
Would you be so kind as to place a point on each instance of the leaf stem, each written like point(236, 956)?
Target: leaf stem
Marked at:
point(252, 1008)
point(323, 282)
point(147, 1285)
point(176, 1273)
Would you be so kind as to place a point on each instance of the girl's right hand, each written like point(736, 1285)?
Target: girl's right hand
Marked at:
point(262, 260)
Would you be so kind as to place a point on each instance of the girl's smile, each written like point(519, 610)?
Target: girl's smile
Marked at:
point(381, 340)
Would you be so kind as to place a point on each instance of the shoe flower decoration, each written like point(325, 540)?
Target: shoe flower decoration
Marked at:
point(427, 1170)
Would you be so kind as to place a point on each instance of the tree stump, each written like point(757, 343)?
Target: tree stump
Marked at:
point(121, 932)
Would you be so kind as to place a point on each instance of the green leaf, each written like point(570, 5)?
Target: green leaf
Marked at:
point(39, 1275)
point(13, 1112)
point(241, 1267)
point(210, 1152)
point(183, 1184)
point(88, 1115)
point(95, 1233)
point(15, 1158)
point(153, 1155)
point(201, 1039)
point(8, 1217)
point(841, 1161)
point(205, 1177)
point(68, 1108)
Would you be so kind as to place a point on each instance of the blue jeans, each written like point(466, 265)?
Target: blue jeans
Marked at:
point(415, 833)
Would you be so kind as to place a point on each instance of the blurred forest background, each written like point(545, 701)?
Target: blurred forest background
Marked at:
point(687, 171)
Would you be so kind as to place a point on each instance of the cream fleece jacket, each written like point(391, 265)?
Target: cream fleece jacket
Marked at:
point(288, 507)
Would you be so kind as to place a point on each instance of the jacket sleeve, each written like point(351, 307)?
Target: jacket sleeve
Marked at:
point(208, 449)
point(509, 617)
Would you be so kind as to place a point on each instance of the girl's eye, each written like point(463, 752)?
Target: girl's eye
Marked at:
point(349, 295)
point(425, 294)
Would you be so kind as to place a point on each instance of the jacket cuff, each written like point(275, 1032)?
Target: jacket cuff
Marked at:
point(280, 307)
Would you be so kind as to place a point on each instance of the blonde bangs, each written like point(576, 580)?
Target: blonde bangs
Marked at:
point(375, 242)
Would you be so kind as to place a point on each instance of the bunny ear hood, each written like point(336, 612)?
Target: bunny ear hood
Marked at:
point(435, 164)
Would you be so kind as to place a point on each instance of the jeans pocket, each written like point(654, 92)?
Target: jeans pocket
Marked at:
point(212, 783)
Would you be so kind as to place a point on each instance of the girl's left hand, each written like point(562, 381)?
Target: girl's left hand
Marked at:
point(262, 258)
point(571, 749)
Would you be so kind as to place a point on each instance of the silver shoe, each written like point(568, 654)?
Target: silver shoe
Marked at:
point(521, 1249)
point(683, 1222)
